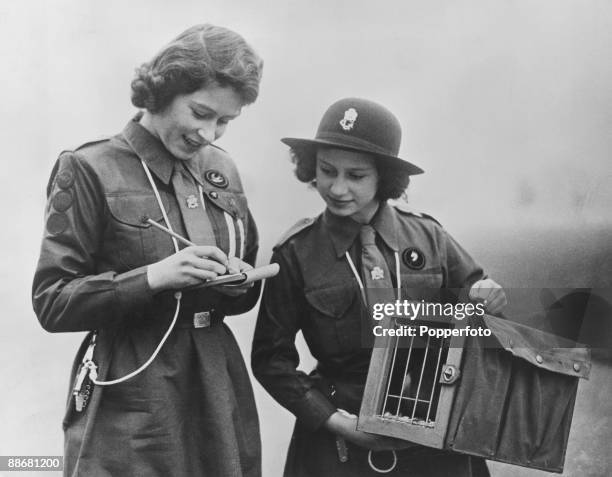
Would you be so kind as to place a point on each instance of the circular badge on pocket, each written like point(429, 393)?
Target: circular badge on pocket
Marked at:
point(413, 258)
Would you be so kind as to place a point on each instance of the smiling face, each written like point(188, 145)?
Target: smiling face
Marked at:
point(192, 121)
point(347, 181)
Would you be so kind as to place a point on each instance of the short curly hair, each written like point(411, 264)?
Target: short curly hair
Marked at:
point(393, 179)
point(200, 56)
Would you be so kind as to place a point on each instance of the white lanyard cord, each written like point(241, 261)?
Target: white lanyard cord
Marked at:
point(231, 234)
point(360, 283)
point(398, 282)
point(201, 193)
point(398, 277)
point(241, 237)
point(177, 295)
point(231, 229)
point(357, 277)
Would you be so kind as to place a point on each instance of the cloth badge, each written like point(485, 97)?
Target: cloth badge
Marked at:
point(192, 202)
point(216, 178)
point(348, 121)
point(413, 258)
point(377, 273)
point(65, 178)
point(62, 200)
point(57, 223)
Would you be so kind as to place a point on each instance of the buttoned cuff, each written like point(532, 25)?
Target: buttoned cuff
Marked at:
point(133, 290)
point(313, 409)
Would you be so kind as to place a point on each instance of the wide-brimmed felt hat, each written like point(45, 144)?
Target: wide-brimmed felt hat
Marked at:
point(359, 125)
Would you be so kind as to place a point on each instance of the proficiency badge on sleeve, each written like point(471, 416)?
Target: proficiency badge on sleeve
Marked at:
point(413, 258)
point(65, 178)
point(348, 121)
point(216, 178)
point(377, 273)
point(192, 202)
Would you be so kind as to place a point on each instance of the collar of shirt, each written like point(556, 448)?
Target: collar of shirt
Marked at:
point(153, 152)
point(344, 230)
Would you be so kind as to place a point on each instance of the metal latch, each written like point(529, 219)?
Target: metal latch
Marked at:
point(449, 374)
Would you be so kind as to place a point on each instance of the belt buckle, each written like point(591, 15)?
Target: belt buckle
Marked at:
point(201, 319)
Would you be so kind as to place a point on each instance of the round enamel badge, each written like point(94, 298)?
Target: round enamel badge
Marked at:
point(216, 178)
point(413, 258)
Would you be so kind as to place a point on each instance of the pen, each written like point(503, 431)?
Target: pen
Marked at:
point(147, 220)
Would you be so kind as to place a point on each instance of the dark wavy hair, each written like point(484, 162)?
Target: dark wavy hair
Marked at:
point(200, 56)
point(393, 179)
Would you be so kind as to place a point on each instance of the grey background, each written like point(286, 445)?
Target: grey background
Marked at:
point(506, 104)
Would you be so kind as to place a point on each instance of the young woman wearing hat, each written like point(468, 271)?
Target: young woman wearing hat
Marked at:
point(159, 386)
point(354, 166)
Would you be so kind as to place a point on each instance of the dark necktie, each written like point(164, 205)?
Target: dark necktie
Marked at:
point(195, 218)
point(376, 276)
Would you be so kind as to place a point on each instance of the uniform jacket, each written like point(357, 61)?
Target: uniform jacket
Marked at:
point(317, 294)
point(91, 275)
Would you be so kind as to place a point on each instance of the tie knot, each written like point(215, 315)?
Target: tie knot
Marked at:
point(182, 174)
point(367, 234)
point(178, 167)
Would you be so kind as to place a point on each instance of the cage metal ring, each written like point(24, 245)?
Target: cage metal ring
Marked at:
point(382, 471)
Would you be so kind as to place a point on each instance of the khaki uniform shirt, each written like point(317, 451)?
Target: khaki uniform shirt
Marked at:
point(191, 412)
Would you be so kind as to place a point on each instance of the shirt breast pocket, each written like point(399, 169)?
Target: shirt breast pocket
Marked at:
point(134, 241)
point(334, 319)
point(422, 284)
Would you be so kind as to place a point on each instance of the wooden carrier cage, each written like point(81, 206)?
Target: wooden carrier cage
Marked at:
point(508, 397)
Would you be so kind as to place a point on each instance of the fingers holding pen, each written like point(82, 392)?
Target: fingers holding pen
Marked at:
point(190, 266)
point(209, 256)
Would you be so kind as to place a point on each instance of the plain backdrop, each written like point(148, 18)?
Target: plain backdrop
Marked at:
point(507, 105)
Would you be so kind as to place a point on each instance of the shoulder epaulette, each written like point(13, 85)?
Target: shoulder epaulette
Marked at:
point(89, 143)
point(56, 166)
point(406, 209)
point(298, 227)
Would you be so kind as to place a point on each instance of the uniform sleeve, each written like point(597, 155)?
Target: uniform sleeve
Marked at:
point(242, 304)
point(461, 270)
point(68, 293)
point(274, 356)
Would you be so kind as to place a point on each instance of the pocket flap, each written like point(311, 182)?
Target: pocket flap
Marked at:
point(234, 203)
point(134, 208)
point(332, 300)
point(422, 284)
